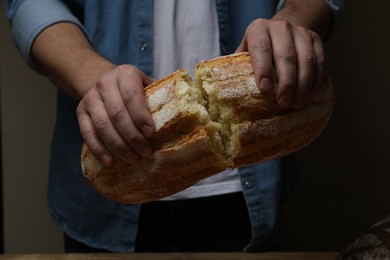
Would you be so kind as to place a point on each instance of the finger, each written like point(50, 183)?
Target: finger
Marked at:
point(132, 140)
point(243, 46)
point(150, 127)
point(320, 59)
point(99, 109)
point(110, 136)
point(131, 86)
point(102, 125)
point(306, 61)
point(285, 60)
point(260, 49)
point(90, 137)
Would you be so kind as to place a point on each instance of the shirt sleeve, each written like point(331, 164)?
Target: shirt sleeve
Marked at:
point(30, 17)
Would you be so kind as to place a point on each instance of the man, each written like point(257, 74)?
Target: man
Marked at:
point(101, 54)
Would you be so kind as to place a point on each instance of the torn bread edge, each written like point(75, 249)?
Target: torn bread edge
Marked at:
point(219, 121)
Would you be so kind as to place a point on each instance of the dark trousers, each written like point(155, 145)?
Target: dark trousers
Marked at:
point(212, 224)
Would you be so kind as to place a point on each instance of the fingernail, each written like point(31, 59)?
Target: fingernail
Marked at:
point(265, 85)
point(285, 101)
point(106, 160)
point(147, 131)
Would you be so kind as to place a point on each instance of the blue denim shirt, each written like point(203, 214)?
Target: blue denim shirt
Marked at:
point(121, 31)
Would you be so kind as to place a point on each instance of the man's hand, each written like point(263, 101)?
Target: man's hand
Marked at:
point(287, 51)
point(290, 56)
point(113, 116)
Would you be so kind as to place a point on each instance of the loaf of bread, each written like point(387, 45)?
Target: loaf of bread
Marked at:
point(217, 121)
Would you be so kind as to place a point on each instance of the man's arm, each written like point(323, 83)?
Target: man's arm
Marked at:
point(70, 62)
point(112, 114)
point(314, 15)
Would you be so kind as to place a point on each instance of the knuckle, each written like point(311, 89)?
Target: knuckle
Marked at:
point(126, 70)
point(256, 25)
point(80, 108)
point(308, 58)
point(103, 82)
point(261, 47)
point(315, 36)
point(320, 61)
point(287, 56)
point(101, 123)
point(86, 103)
point(282, 24)
point(131, 94)
point(258, 22)
point(302, 30)
point(116, 112)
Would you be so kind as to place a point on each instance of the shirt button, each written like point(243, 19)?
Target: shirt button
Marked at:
point(248, 184)
point(224, 50)
point(144, 46)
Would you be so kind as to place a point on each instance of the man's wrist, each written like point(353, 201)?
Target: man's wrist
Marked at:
point(63, 54)
point(314, 15)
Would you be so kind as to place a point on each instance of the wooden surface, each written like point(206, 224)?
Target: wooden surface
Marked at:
point(179, 256)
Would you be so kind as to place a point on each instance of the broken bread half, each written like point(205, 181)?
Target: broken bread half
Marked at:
point(220, 120)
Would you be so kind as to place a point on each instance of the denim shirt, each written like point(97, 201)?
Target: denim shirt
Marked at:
point(121, 31)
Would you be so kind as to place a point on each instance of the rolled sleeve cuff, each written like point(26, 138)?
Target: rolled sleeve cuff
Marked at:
point(337, 6)
point(32, 17)
point(280, 5)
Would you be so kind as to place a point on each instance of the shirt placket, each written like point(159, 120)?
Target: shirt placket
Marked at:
point(145, 36)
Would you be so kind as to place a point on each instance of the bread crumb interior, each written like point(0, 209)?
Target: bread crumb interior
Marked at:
point(199, 97)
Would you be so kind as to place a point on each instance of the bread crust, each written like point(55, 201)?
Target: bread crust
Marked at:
point(224, 122)
point(156, 176)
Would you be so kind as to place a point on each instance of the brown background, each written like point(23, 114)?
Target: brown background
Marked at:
point(345, 174)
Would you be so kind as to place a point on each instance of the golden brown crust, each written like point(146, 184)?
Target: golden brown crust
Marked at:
point(281, 135)
point(195, 139)
point(158, 176)
point(230, 66)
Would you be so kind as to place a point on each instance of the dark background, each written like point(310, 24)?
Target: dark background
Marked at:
point(345, 180)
